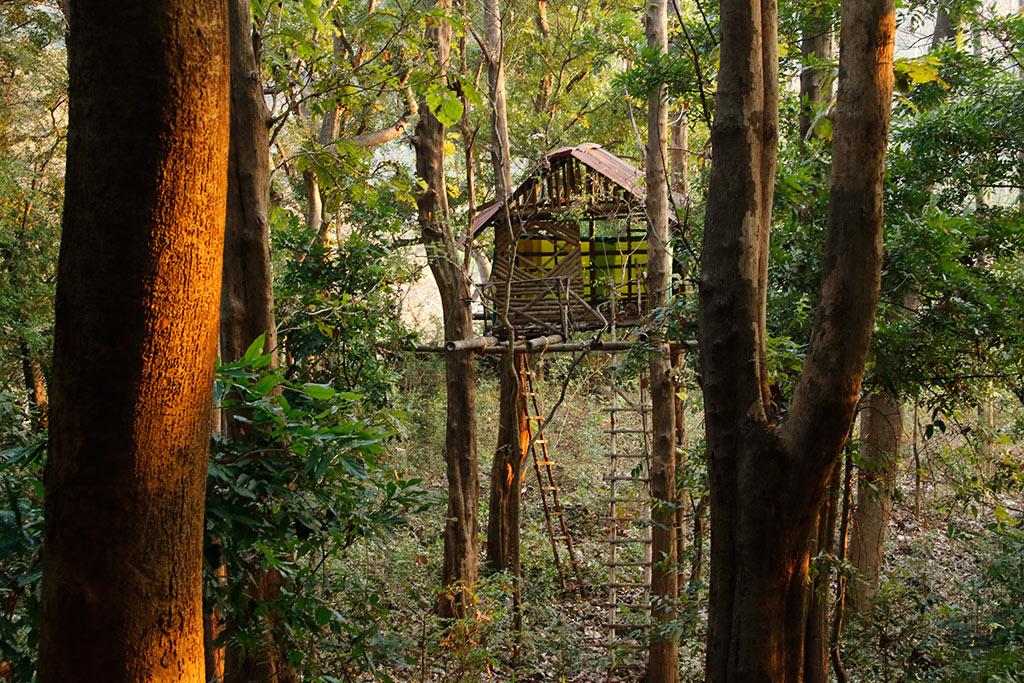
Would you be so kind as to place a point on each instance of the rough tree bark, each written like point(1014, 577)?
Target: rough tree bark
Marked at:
point(662, 656)
point(881, 430)
point(768, 481)
point(247, 301)
point(247, 297)
point(454, 286)
point(35, 384)
point(816, 48)
point(678, 150)
point(138, 290)
point(816, 666)
point(543, 100)
point(506, 471)
point(507, 467)
point(768, 142)
point(495, 43)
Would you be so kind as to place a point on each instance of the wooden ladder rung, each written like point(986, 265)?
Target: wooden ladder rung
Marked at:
point(545, 462)
point(550, 488)
point(617, 541)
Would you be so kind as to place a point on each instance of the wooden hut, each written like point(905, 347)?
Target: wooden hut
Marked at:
point(570, 247)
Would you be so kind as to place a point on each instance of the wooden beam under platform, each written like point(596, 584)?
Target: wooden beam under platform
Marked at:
point(547, 344)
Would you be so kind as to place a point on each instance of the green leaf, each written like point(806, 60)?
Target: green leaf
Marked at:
point(321, 392)
point(266, 384)
point(255, 349)
point(445, 104)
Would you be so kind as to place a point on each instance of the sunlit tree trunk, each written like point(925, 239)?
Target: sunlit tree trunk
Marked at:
point(881, 430)
point(35, 383)
point(662, 657)
point(138, 293)
point(768, 481)
point(449, 269)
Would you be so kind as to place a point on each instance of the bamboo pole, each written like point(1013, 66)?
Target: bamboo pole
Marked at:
point(534, 345)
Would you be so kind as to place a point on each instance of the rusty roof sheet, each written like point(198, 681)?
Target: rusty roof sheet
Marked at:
point(593, 155)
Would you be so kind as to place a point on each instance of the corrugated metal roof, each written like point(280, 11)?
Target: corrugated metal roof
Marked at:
point(592, 155)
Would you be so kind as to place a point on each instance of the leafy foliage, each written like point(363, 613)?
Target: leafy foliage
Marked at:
point(338, 306)
point(308, 480)
point(21, 537)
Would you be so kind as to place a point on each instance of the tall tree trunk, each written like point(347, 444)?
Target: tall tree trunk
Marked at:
point(916, 455)
point(506, 472)
point(327, 134)
point(247, 297)
point(947, 25)
point(987, 429)
point(315, 220)
point(881, 430)
point(247, 300)
point(768, 158)
point(678, 151)
point(768, 482)
point(495, 54)
point(839, 613)
point(138, 291)
point(454, 286)
point(35, 384)
point(543, 100)
point(662, 657)
point(816, 666)
point(816, 48)
point(466, 128)
point(507, 467)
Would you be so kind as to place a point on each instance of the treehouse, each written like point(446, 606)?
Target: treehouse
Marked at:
point(570, 247)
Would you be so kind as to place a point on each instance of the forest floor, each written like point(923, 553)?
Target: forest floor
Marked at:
point(928, 571)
